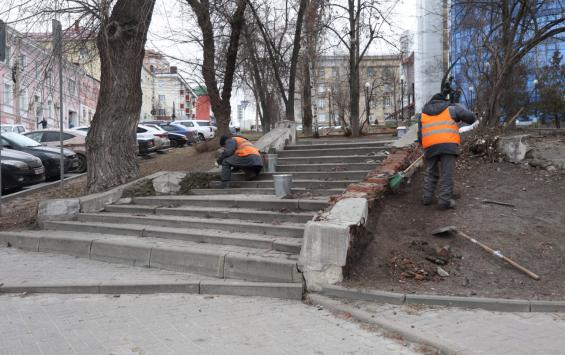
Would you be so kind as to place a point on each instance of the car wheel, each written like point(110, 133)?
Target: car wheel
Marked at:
point(81, 163)
point(201, 137)
point(174, 144)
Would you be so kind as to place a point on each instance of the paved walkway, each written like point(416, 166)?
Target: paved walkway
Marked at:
point(477, 331)
point(179, 324)
point(20, 268)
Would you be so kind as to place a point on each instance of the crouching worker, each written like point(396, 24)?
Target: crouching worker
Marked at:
point(239, 154)
point(438, 133)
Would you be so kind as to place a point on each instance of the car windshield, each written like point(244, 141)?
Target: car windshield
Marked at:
point(203, 123)
point(18, 139)
point(7, 129)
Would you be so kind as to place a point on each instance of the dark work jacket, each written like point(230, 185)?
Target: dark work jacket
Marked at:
point(458, 114)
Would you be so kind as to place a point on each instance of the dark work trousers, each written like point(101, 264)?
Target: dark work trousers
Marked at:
point(439, 168)
point(251, 166)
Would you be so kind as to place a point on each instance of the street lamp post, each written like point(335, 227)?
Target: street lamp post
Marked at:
point(471, 89)
point(402, 97)
point(330, 108)
point(367, 107)
point(536, 98)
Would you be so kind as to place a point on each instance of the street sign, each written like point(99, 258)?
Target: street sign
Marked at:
point(2, 41)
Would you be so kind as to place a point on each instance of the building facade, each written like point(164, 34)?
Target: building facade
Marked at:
point(29, 91)
point(380, 91)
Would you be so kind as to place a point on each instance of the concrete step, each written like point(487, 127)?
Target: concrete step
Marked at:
point(264, 203)
point(370, 159)
point(245, 214)
point(372, 138)
point(205, 259)
point(265, 191)
point(296, 183)
point(247, 240)
point(301, 175)
point(337, 145)
point(231, 225)
point(341, 168)
point(329, 152)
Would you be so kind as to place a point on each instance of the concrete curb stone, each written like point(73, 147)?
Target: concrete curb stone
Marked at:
point(291, 291)
point(409, 334)
point(489, 304)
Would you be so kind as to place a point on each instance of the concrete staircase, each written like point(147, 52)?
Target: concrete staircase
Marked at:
point(242, 233)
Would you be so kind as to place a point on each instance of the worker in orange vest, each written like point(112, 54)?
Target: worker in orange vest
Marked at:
point(239, 154)
point(438, 133)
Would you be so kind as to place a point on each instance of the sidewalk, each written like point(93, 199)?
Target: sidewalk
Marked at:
point(473, 331)
point(179, 324)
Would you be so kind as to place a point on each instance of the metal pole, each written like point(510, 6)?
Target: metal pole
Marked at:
point(58, 51)
point(3, 30)
point(402, 99)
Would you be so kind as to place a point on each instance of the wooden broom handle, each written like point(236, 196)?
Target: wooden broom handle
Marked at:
point(499, 254)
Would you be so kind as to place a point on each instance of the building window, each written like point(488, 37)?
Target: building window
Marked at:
point(23, 102)
point(386, 100)
point(181, 105)
point(72, 87)
point(322, 88)
point(8, 94)
point(322, 117)
point(321, 103)
point(49, 109)
point(181, 92)
point(335, 72)
point(371, 71)
point(7, 60)
point(22, 62)
point(162, 98)
point(322, 72)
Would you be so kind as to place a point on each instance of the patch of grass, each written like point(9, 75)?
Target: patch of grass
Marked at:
point(196, 181)
point(141, 189)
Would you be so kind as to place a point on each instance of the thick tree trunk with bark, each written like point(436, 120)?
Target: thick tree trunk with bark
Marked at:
point(111, 141)
point(307, 99)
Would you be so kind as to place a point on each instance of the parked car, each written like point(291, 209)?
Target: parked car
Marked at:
point(162, 141)
point(190, 133)
point(177, 140)
point(18, 128)
point(72, 139)
point(146, 143)
point(49, 156)
point(20, 169)
point(205, 129)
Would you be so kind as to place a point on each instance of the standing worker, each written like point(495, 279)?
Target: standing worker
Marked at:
point(438, 133)
point(239, 153)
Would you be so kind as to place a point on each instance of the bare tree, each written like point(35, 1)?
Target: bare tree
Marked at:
point(212, 17)
point(503, 32)
point(111, 141)
point(356, 26)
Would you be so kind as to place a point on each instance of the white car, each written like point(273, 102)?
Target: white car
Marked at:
point(17, 128)
point(205, 128)
point(162, 141)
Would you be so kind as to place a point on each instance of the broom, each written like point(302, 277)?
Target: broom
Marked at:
point(396, 180)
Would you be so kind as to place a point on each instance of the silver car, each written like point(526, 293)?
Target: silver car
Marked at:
point(162, 141)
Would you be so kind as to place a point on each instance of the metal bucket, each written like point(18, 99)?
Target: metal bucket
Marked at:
point(283, 184)
point(271, 163)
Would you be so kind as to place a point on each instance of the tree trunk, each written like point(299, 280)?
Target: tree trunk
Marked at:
point(353, 70)
point(220, 103)
point(111, 142)
point(294, 60)
point(307, 98)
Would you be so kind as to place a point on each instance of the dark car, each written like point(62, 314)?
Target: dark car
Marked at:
point(49, 156)
point(177, 140)
point(171, 127)
point(20, 169)
point(146, 143)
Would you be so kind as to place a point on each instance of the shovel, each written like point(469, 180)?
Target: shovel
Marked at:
point(449, 230)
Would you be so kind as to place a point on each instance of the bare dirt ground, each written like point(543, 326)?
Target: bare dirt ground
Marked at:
point(21, 212)
point(404, 256)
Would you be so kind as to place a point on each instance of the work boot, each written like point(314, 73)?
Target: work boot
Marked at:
point(446, 205)
point(427, 200)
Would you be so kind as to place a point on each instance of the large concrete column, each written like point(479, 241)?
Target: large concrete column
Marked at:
point(430, 57)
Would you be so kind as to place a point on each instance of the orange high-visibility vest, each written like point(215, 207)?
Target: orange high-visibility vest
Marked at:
point(245, 148)
point(439, 129)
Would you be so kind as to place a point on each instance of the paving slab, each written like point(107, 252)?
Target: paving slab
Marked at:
point(180, 324)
